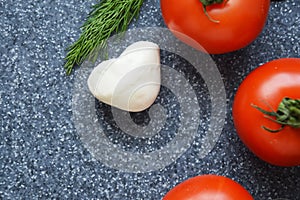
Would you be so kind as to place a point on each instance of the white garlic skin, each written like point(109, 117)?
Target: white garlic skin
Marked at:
point(130, 82)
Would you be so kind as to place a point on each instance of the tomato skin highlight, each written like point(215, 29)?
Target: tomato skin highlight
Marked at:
point(240, 22)
point(265, 87)
point(207, 187)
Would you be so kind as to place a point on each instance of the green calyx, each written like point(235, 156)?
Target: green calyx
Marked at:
point(287, 114)
point(210, 2)
point(206, 3)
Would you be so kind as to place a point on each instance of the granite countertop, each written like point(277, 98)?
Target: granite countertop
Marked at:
point(43, 153)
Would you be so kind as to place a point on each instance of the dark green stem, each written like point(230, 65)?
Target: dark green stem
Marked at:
point(206, 3)
point(287, 114)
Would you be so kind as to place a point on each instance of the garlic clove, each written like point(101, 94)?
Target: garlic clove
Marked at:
point(130, 82)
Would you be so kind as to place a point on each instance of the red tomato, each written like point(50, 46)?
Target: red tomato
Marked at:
point(265, 87)
point(208, 187)
point(239, 23)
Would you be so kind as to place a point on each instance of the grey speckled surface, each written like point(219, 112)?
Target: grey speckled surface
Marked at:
point(41, 154)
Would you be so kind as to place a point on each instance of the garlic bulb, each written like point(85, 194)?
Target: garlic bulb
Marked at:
point(130, 82)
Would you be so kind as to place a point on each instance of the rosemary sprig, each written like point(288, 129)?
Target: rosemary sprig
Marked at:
point(106, 18)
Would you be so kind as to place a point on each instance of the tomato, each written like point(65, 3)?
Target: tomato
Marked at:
point(265, 88)
point(239, 22)
point(207, 187)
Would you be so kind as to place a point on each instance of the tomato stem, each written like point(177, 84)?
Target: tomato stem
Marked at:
point(206, 3)
point(287, 114)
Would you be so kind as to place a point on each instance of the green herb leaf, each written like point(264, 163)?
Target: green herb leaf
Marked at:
point(106, 18)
